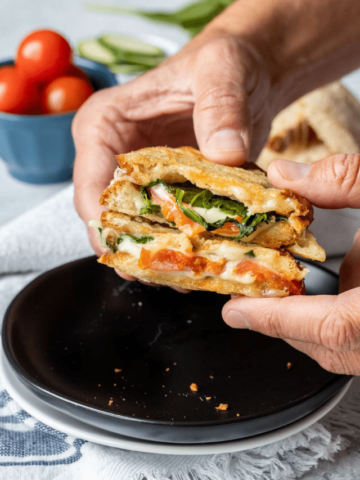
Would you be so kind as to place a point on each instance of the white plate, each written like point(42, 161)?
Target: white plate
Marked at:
point(71, 426)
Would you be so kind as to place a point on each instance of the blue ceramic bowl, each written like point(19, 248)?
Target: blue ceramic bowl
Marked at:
point(39, 148)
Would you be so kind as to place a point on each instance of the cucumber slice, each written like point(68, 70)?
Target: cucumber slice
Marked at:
point(128, 68)
point(94, 50)
point(131, 45)
point(132, 57)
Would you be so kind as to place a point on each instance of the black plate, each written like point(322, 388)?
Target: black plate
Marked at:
point(68, 330)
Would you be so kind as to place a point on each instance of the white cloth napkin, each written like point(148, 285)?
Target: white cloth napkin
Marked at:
point(52, 234)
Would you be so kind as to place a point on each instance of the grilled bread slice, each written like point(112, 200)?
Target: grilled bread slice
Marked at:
point(163, 255)
point(287, 214)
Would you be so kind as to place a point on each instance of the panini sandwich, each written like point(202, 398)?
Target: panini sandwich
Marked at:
point(176, 218)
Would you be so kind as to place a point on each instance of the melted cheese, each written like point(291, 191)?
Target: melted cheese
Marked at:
point(211, 215)
point(128, 246)
point(120, 175)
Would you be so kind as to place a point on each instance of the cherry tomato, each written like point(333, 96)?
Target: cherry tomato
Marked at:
point(43, 55)
point(65, 94)
point(76, 72)
point(17, 94)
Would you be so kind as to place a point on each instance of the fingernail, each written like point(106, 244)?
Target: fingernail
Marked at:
point(291, 170)
point(226, 140)
point(236, 320)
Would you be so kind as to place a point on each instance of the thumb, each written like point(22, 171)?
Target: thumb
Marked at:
point(333, 182)
point(350, 268)
point(221, 115)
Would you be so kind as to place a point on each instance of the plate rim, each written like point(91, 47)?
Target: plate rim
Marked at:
point(114, 440)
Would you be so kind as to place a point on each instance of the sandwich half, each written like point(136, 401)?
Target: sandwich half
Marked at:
point(184, 191)
point(174, 218)
point(160, 254)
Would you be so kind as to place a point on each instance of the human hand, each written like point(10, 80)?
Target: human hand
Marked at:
point(325, 327)
point(214, 94)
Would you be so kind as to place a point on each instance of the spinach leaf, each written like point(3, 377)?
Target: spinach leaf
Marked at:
point(144, 239)
point(196, 197)
point(148, 207)
point(105, 243)
point(168, 188)
point(194, 216)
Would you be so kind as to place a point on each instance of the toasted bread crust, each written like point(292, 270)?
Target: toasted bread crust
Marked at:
point(128, 264)
point(307, 247)
point(277, 260)
point(177, 165)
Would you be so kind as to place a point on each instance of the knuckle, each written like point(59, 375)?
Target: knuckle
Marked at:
point(271, 324)
point(219, 96)
point(343, 171)
point(333, 362)
point(338, 331)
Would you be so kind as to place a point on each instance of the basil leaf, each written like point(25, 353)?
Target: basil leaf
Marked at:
point(105, 243)
point(196, 197)
point(168, 188)
point(194, 216)
point(230, 207)
point(110, 246)
point(148, 207)
point(250, 253)
point(144, 239)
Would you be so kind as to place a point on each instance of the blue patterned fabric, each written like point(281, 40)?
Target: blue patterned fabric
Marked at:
point(25, 441)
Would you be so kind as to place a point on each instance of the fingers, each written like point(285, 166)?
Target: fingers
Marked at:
point(345, 363)
point(93, 170)
point(350, 268)
point(89, 185)
point(329, 321)
point(125, 276)
point(221, 117)
point(333, 182)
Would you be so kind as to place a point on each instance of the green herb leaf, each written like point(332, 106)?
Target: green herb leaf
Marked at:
point(250, 253)
point(196, 197)
point(194, 216)
point(143, 239)
point(110, 246)
point(168, 188)
point(148, 207)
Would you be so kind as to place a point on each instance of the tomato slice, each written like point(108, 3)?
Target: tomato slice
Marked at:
point(167, 260)
point(229, 229)
point(171, 211)
point(275, 280)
